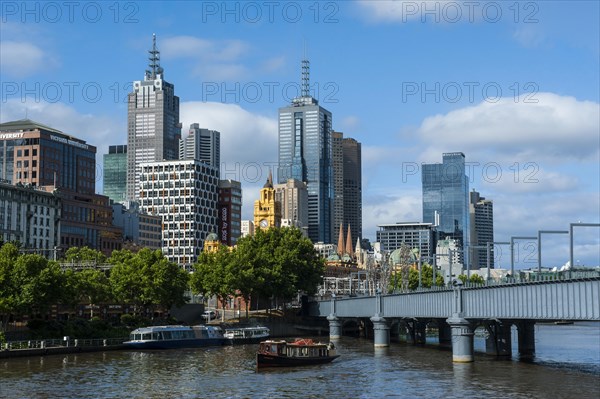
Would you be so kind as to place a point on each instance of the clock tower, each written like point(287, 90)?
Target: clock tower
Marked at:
point(267, 211)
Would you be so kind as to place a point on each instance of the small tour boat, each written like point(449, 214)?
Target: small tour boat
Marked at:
point(168, 337)
point(301, 352)
point(246, 335)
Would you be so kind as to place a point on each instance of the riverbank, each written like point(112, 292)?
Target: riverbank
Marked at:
point(45, 347)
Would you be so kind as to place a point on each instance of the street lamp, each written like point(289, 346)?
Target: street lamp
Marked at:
point(539, 238)
point(512, 252)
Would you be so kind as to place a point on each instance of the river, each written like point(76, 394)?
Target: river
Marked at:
point(566, 365)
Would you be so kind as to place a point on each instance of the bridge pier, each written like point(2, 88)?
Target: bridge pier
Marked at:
point(335, 327)
point(462, 339)
point(416, 331)
point(526, 333)
point(381, 332)
point(498, 342)
point(444, 333)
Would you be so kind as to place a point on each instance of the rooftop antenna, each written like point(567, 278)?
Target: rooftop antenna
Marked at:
point(154, 58)
point(305, 75)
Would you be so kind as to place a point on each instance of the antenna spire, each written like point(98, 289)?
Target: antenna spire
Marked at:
point(154, 64)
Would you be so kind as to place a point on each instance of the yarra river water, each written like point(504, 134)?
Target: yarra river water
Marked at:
point(567, 365)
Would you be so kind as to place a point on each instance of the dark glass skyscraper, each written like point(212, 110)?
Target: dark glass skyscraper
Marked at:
point(305, 154)
point(446, 193)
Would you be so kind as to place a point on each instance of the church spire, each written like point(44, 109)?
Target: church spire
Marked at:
point(269, 183)
point(349, 250)
point(340, 247)
point(154, 61)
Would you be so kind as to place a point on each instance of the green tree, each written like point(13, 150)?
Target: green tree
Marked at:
point(426, 277)
point(473, 279)
point(277, 262)
point(84, 254)
point(212, 274)
point(147, 278)
point(9, 291)
point(93, 287)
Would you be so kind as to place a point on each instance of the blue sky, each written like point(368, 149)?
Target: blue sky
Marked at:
point(513, 85)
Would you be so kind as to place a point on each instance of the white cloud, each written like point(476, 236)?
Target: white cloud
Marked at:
point(273, 64)
point(555, 128)
point(350, 122)
point(248, 143)
point(529, 35)
point(406, 11)
point(389, 207)
point(212, 59)
point(20, 59)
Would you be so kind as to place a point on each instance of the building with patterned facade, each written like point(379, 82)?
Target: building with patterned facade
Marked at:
point(184, 193)
point(153, 127)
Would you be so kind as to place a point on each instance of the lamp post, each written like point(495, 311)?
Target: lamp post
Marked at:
point(512, 252)
point(571, 237)
point(539, 238)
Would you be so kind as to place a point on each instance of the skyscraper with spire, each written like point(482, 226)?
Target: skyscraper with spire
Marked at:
point(153, 128)
point(305, 154)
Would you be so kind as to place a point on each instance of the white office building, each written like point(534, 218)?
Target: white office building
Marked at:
point(185, 194)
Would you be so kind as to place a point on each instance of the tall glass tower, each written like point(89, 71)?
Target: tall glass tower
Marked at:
point(115, 173)
point(446, 194)
point(153, 128)
point(305, 154)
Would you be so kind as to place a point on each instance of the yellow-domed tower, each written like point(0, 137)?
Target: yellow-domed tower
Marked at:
point(267, 211)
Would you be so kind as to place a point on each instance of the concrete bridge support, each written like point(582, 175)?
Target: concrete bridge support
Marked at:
point(498, 342)
point(526, 333)
point(335, 327)
point(444, 333)
point(462, 339)
point(416, 331)
point(381, 332)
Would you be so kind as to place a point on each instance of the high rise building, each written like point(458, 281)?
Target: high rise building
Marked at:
point(305, 154)
point(201, 144)
point(446, 197)
point(481, 213)
point(247, 228)
point(153, 128)
point(114, 178)
point(37, 155)
point(338, 180)
point(351, 150)
point(230, 212)
point(140, 230)
point(185, 194)
point(293, 197)
point(414, 235)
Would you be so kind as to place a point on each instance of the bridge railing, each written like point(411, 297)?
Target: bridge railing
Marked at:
point(57, 343)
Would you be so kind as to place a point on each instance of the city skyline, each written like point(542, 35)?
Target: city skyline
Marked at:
point(394, 90)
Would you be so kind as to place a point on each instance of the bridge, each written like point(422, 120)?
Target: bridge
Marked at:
point(457, 311)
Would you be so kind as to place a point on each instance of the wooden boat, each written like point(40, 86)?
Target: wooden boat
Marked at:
point(246, 335)
point(168, 337)
point(301, 352)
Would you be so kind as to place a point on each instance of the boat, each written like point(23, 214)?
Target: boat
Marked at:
point(301, 352)
point(175, 336)
point(246, 335)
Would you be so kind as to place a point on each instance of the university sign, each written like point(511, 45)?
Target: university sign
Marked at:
point(11, 136)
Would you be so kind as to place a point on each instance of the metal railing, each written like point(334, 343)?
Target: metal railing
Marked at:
point(62, 343)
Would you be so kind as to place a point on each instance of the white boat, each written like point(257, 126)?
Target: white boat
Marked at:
point(168, 337)
point(246, 335)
